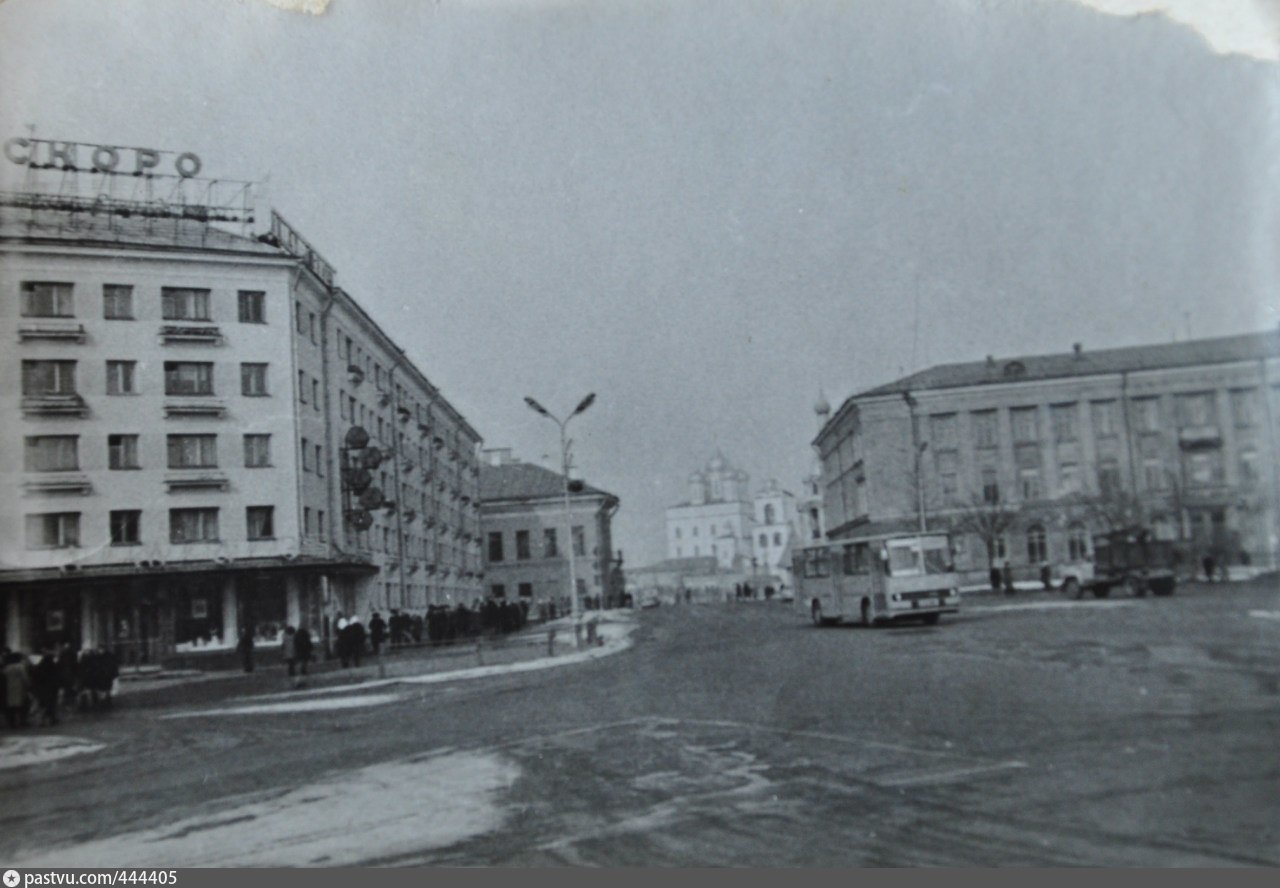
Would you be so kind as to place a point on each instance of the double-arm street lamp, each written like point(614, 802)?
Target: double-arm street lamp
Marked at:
point(564, 465)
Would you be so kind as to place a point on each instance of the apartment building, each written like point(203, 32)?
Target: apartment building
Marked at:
point(175, 460)
point(1180, 436)
point(526, 553)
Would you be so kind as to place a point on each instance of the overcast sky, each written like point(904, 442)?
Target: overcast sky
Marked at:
point(704, 211)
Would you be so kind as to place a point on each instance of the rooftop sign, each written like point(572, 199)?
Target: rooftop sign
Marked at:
point(79, 156)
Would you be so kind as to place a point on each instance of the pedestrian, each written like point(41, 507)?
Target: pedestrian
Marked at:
point(45, 687)
point(17, 686)
point(342, 639)
point(244, 647)
point(68, 673)
point(289, 649)
point(995, 577)
point(377, 632)
point(302, 648)
point(1008, 577)
point(1046, 576)
point(355, 640)
point(1209, 564)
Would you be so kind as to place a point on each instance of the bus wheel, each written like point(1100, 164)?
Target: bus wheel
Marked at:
point(931, 619)
point(1072, 588)
point(816, 613)
point(866, 613)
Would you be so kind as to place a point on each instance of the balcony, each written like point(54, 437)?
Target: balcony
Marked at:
point(54, 405)
point(1205, 437)
point(59, 484)
point(171, 334)
point(197, 481)
point(51, 331)
point(194, 409)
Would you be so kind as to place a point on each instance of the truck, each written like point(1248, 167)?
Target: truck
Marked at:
point(1131, 558)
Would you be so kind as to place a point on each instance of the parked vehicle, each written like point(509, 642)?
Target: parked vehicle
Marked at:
point(878, 579)
point(1131, 559)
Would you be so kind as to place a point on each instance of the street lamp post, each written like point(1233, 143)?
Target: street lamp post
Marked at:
point(918, 455)
point(564, 466)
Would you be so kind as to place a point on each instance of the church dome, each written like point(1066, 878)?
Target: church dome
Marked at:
point(717, 462)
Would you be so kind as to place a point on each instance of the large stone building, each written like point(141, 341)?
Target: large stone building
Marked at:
point(526, 555)
point(174, 462)
point(1180, 436)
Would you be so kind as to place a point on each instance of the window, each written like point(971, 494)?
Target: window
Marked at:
point(1029, 482)
point(257, 451)
point(1196, 411)
point(184, 304)
point(117, 302)
point(319, 522)
point(53, 530)
point(984, 429)
point(1024, 425)
point(526, 590)
point(193, 525)
point(253, 380)
point(769, 516)
point(1068, 479)
point(51, 453)
point(122, 451)
point(764, 540)
point(45, 300)
point(522, 545)
point(1106, 418)
point(948, 475)
point(1153, 474)
point(312, 327)
point(1244, 407)
point(300, 318)
point(120, 376)
point(306, 460)
point(188, 378)
point(677, 533)
point(1064, 422)
point(579, 541)
point(48, 377)
point(777, 539)
point(942, 432)
point(495, 546)
point(302, 387)
point(1249, 467)
point(260, 522)
point(319, 460)
point(252, 305)
point(1108, 477)
point(315, 394)
point(1077, 542)
point(306, 525)
point(1203, 468)
point(1037, 549)
point(193, 451)
point(1146, 412)
point(990, 486)
point(498, 590)
point(549, 548)
point(125, 527)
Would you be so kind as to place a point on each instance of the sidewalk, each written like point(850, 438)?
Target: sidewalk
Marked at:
point(187, 687)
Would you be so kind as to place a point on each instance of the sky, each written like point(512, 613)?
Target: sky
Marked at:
point(710, 212)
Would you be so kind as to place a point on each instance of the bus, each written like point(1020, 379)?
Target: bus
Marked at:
point(878, 579)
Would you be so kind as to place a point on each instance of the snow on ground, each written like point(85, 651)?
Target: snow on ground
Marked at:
point(428, 801)
point(1048, 605)
point(288, 707)
point(20, 752)
point(1265, 615)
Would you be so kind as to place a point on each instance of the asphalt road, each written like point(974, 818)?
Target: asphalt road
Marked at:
point(1025, 731)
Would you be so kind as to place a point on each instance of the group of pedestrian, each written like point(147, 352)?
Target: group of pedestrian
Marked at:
point(350, 640)
point(37, 686)
point(1002, 577)
point(490, 617)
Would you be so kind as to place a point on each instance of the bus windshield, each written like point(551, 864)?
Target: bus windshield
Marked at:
point(917, 556)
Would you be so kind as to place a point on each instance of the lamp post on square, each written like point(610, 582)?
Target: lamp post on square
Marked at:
point(564, 466)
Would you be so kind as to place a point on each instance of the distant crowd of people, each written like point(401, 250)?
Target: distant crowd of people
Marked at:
point(35, 687)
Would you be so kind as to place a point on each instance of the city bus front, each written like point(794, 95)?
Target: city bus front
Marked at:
point(920, 580)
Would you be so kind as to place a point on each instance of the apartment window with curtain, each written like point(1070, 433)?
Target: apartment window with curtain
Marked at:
point(260, 522)
point(117, 302)
point(252, 306)
point(253, 380)
point(193, 451)
point(549, 547)
point(522, 545)
point(188, 378)
point(41, 299)
point(120, 377)
point(126, 527)
point(495, 546)
point(53, 530)
point(579, 540)
point(122, 452)
point(48, 377)
point(51, 453)
point(257, 451)
point(184, 304)
point(193, 525)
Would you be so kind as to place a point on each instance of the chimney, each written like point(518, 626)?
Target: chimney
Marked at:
point(1078, 349)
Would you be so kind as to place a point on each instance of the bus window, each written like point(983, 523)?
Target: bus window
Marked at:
point(937, 556)
point(860, 561)
point(849, 565)
point(904, 558)
point(817, 563)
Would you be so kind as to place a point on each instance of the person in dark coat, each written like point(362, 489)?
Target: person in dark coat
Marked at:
point(1008, 578)
point(17, 685)
point(995, 578)
point(244, 647)
point(45, 687)
point(289, 649)
point(377, 631)
point(68, 673)
point(302, 648)
point(356, 636)
point(1209, 564)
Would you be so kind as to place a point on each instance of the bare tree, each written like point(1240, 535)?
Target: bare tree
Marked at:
point(987, 518)
point(1112, 508)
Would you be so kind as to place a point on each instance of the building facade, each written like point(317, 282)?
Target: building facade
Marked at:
point(526, 554)
point(1024, 459)
point(179, 400)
